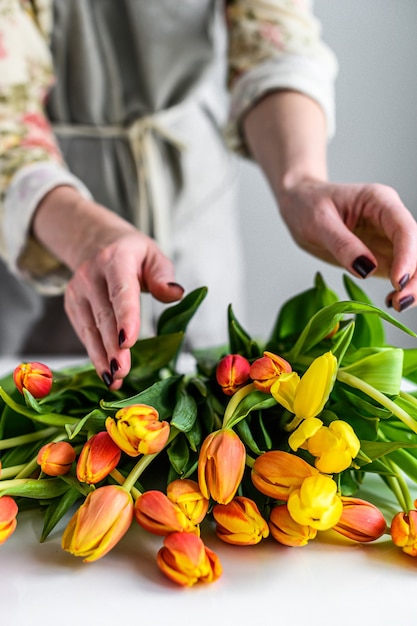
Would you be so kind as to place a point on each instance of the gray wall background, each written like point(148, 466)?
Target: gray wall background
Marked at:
point(376, 141)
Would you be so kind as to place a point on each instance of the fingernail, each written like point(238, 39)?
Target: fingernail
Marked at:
point(176, 285)
point(404, 280)
point(114, 366)
point(363, 266)
point(107, 378)
point(388, 303)
point(406, 302)
point(122, 338)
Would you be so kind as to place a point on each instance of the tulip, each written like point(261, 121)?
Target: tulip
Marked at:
point(360, 520)
point(158, 515)
point(307, 396)
point(240, 522)
point(232, 372)
point(136, 429)
point(34, 377)
point(404, 531)
point(334, 446)
point(8, 513)
point(316, 503)
point(221, 465)
point(186, 494)
point(277, 473)
point(56, 458)
point(286, 530)
point(98, 458)
point(186, 560)
point(99, 523)
point(267, 369)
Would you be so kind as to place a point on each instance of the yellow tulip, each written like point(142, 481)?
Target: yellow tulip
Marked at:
point(334, 447)
point(221, 465)
point(240, 522)
point(286, 530)
point(277, 473)
point(136, 429)
point(186, 560)
point(99, 523)
point(316, 503)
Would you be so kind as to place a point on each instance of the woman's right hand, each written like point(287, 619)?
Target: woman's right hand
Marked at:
point(112, 263)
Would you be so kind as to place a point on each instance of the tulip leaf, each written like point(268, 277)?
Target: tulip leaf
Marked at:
point(157, 395)
point(410, 364)
point(179, 454)
point(240, 341)
point(185, 412)
point(377, 449)
point(343, 342)
point(247, 437)
point(56, 510)
point(256, 400)
point(369, 330)
point(95, 420)
point(176, 318)
point(150, 355)
point(382, 370)
point(33, 488)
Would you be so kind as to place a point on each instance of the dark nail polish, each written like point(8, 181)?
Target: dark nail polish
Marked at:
point(406, 302)
point(107, 378)
point(388, 303)
point(404, 280)
point(114, 366)
point(176, 285)
point(363, 266)
point(122, 338)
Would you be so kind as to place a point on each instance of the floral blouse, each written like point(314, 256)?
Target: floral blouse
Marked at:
point(272, 44)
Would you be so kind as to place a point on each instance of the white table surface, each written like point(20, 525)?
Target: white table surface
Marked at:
point(329, 582)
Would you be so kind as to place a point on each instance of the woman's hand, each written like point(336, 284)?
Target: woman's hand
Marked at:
point(112, 262)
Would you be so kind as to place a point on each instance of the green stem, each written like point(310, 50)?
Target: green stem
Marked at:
point(406, 501)
point(143, 463)
point(119, 478)
point(14, 482)
point(32, 465)
point(370, 391)
point(51, 419)
point(21, 440)
point(11, 472)
point(234, 402)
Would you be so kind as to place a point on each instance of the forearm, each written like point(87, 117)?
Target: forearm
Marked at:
point(286, 134)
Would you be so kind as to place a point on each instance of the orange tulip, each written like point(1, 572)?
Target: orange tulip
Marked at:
point(287, 531)
point(186, 560)
point(187, 495)
point(98, 458)
point(404, 531)
point(158, 515)
point(360, 520)
point(56, 458)
point(136, 429)
point(267, 369)
point(240, 522)
point(99, 523)
point(232, 372)
point(277, 473)
point(35, 377)
point(221, 465)
point(8, 513)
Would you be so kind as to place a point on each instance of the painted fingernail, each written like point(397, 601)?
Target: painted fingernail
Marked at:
point(388, 303)
point(114, 366)
point(122, 338)
point(406, 302)
point(404, 280)
point(107, 378)
point(176, 285)
point(363, 266)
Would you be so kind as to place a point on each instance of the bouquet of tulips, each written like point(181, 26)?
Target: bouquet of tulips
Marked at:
point(261, 440)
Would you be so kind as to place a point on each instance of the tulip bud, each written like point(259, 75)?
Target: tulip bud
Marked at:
point(56, 458)
point(98, 458)
point(186, 494)
point(240, 522)
point(186, 560)
point(99, 523)
point(360, 520)
point(286, 530)
point(232, 372)
point(277, 473)
point(34, 377)
point(267, 369)
point(221, 465)
point(316, 503)
point(404, 531)
point(136, 429)
point(158, 515)
point(8, 513)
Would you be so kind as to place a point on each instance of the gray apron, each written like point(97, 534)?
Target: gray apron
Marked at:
point(137, 108)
